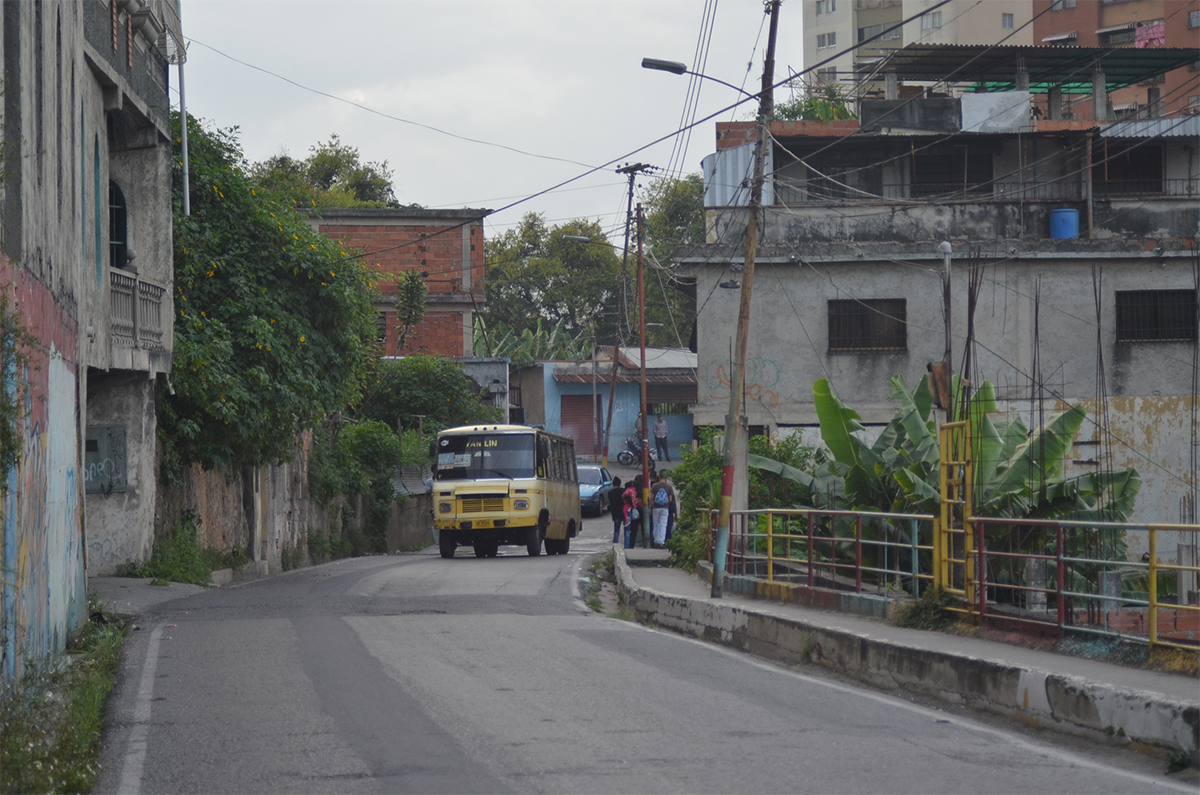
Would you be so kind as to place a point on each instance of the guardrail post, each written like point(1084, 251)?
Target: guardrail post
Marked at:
point(915, 562)
point(1153, 577)
point(1060, 577)
point(858, 553)
point(981, 562)
point(770, 546)
point(812, 518)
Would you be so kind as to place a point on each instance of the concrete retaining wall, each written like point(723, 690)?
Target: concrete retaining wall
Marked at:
point(1061, 703)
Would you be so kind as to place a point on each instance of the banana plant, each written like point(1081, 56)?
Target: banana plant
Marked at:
point(1018, 473)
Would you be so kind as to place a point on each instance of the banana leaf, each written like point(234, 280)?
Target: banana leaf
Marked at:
point(838, 424)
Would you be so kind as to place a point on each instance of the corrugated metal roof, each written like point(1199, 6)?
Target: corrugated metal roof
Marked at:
point(963, 63)
point(603, 378)
point(661, 357)
point(727, 177)
point(1182, 127)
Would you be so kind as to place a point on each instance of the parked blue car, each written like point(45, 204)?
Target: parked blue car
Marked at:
point(594, 483)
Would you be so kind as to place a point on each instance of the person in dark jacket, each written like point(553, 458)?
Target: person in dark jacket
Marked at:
point(616, 508)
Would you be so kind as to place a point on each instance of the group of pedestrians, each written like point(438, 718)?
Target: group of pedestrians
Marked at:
point(626, 505)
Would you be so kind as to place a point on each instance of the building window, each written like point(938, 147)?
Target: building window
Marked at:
point(1156, 316)
point(931, 20)
point(1059, 5)
point(118, 227)
point(876, 324)
point(381, 327)
point(1193, 19)
point(1006, 21)
point(827, 75)
point(826, 6)
point(826, 40)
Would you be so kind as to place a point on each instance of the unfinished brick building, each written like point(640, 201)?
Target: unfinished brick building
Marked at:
point(446, 245)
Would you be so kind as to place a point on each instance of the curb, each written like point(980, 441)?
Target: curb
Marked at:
point(1071, 705)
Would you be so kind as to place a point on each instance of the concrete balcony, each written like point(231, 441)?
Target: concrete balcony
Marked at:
point(139, 324)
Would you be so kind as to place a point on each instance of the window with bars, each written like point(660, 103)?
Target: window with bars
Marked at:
point(868, 325)
point(1156, 316)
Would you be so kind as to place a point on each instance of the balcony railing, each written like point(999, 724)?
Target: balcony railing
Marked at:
point(825, 191)
point(136, 311)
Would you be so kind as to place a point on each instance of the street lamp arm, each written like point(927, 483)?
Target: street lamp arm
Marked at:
point(677, 68)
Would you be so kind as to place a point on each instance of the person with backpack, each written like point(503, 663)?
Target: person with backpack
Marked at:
point(633, 504)
point(661, 494)
point(616, 508)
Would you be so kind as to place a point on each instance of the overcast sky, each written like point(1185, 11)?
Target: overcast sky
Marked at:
point(552, 78)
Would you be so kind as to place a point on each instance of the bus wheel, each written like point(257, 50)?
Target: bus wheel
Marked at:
point(565, 546)
point(553, 546)
point(446, 545)
point(533, 542)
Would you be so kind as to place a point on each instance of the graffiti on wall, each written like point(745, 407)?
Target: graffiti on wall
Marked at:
point(762, 377)
point(44, 577)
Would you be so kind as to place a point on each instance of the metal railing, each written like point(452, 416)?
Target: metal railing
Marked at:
point(1067, 576)
point(136, 315)
point(1042, 576)
point(857, 551)
point(825, 190)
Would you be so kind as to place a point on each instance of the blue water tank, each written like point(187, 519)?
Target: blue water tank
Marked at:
point(1064, 224)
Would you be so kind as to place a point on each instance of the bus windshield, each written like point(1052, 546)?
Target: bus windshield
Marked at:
point(485, 455)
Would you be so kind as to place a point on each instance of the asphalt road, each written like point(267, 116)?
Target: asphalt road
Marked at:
point(417, 674)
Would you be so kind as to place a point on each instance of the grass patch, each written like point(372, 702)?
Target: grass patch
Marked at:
point(594, 603)
point(928, 612)
point(178, 557)
point(50, 721)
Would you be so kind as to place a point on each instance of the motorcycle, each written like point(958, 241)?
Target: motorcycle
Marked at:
point(632, 452)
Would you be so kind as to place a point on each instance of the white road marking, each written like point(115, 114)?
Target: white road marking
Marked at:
point(135, 751)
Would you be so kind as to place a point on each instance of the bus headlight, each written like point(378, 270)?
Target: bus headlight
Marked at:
point(520, 505)
point(445, 507)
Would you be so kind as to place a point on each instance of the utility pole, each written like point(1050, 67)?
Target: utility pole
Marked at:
point(641, 281)
point(632, 170)
point(733, 420)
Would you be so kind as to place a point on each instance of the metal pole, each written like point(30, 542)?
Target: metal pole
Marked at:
point(595, 417)
point(632, 171)
point(183, 143)
point(947, 250)
point(733, 418)
point(641, 281)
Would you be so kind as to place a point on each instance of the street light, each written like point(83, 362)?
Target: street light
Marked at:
point(677, 68)
point(733, 430)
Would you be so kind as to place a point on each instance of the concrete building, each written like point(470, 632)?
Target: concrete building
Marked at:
point(1130, 23)
point(831, 26)
point(446, 245)
point(86, 260)
point(572, 398)
point(1074, 272)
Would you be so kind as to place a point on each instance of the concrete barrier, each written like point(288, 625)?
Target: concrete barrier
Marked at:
point(1067, 704)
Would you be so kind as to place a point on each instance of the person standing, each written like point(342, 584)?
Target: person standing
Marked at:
point(616, 509)
point(632, 502)
point(660, 496)
point(660, 438)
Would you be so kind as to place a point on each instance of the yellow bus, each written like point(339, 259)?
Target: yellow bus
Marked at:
point(504, 484)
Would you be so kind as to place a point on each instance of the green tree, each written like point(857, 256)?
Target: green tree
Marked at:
point(274, 322)
point(533, 274)
point(423, 385)
point(411, 291)
point(674, 225)
point(332, 176)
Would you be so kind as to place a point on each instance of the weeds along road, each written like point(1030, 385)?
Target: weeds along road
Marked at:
point(417, 674)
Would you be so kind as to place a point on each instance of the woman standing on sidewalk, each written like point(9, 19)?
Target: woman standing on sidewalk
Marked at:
point(616, 508)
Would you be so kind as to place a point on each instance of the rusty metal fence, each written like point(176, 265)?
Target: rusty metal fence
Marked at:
point(858, 551)
point(1057, 577)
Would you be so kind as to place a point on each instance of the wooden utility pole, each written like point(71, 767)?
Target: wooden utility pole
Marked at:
point(734, 419)
point(632, 170)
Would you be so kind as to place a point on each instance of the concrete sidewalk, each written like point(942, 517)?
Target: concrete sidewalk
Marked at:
point(1154, 711)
